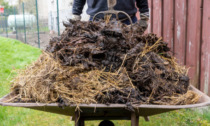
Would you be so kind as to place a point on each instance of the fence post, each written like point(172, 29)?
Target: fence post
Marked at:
point(1, 26)
point(16, 31)
point(0, 22)
point(37, 18)
point(24, 21)
point(51, 23)
point(58, 18)
point(6, 25)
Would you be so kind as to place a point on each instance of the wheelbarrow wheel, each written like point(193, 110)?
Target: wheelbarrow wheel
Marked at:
point(106, 123)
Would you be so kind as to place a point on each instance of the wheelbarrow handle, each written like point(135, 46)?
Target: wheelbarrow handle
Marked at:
point(113, 12)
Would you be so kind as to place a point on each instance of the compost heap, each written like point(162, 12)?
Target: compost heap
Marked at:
point(97, 62)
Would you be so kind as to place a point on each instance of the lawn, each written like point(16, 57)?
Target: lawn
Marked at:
point(16, 55)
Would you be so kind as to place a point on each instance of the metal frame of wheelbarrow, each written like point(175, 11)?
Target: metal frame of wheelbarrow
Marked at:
point(108, 112)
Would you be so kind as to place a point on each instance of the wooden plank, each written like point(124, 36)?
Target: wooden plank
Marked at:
point(205, 49)
point(168, 22)
point(157, 17)
point(149, 29)
point(193, 38)
point(180, 30)
point(138, 13)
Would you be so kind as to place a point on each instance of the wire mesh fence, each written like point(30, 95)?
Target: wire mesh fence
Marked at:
point(34, 22)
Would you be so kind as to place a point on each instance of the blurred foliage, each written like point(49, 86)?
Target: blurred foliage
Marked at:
point(7, 9)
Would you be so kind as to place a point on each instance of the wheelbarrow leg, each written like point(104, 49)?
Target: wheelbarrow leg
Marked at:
point(146, 118)
point(134, 119)
point(79, 121)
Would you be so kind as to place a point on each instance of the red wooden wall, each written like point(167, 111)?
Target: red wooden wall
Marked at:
point(205, 48)
point(185, 25)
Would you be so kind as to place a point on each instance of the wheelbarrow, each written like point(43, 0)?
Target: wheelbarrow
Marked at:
point(108, 112)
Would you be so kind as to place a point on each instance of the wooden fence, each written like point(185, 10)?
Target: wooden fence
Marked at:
point(185, 25)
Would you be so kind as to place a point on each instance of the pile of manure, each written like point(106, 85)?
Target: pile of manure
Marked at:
point(108, 63)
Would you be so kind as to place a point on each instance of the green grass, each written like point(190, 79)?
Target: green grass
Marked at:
point(16, 55)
